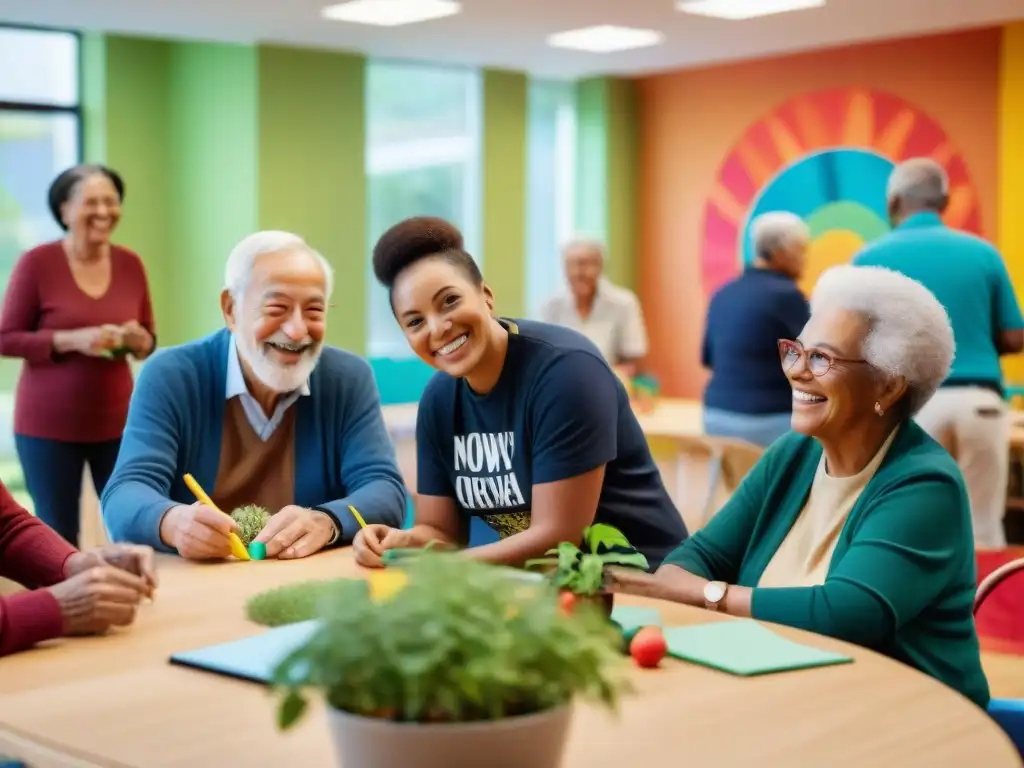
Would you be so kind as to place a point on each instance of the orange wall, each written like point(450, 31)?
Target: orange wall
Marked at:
point(691, 120)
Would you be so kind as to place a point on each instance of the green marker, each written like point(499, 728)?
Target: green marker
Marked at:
point(258, 550)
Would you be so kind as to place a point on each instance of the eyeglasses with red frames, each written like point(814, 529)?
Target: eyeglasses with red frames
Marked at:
point(818, 361)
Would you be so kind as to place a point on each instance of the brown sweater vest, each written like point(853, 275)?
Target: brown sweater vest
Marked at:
point(253, 471)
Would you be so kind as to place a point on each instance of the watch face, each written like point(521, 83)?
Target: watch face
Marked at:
point(714, 591)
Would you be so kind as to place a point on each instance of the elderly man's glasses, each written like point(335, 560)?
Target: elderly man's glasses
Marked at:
point(818, 361)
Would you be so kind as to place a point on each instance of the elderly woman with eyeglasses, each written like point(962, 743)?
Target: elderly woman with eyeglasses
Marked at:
point(855, 524)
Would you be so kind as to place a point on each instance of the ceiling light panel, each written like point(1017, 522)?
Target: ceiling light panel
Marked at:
point(737, 10)
point(390, 13)
point(605, 39)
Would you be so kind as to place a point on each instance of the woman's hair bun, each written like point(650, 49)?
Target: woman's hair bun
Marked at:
point(411, 240)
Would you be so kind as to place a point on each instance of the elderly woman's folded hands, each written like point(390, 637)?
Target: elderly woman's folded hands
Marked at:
point(104, 588)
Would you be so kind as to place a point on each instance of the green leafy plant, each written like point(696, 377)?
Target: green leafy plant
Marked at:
point(290, 603)
point(455, 641)
point(580, 570)
point(251, 520)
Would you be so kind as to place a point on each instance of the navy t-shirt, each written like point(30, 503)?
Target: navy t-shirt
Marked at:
point(746, 319)
point(557, 411)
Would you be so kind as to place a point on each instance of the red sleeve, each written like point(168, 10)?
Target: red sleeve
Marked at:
point(31, 553)
point(27, 618)
point(146, 318)
point(19, 320)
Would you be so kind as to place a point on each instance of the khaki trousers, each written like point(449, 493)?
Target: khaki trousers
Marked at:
point(973, 424)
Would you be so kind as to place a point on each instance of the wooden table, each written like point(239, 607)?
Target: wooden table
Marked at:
point(115, 701)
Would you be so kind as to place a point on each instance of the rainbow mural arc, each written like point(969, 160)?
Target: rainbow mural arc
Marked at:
point(825, 156)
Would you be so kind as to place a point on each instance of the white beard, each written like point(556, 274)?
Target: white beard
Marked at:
point(278, 378)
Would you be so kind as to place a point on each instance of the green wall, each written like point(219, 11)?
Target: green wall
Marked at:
point(216, 141)
point(312, 180)
point(504, 188)
point(606, 170)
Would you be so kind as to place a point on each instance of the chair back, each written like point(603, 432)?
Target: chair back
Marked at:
point(994, 579)
point(726, 462)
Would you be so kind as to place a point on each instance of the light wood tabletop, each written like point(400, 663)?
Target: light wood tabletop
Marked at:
point(115, 701)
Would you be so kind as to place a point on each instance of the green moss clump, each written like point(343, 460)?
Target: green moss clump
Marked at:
point(251, 520)
point(288, 604)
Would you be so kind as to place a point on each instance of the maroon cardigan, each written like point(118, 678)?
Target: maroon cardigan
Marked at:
point(34, 555)
point(72, 397)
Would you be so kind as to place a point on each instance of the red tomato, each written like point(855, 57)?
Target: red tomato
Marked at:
point(648, 647)
point(567, 601)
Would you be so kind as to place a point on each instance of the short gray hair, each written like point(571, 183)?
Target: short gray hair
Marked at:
point(238, 269)
point(776, 230)
point(909, 331)
point(920, 182)
point(585, 243)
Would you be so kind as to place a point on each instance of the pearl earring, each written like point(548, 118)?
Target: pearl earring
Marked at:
point(879, 410)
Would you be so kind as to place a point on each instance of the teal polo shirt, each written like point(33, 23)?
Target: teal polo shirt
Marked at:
point(968, 277)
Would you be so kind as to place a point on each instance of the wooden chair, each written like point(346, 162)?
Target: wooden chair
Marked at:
point(728, 461)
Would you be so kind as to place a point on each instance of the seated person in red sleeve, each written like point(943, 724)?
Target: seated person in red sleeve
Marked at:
point(74, 311)
point(69, 592)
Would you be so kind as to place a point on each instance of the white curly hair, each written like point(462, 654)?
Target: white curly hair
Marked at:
point(909, 331)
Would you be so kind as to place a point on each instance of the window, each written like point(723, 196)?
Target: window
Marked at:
point(40, 135)
point(551, 186)
point(423, 140)
point(40, 129)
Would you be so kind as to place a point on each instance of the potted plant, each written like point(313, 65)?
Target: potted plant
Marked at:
point(448, 661)
point(579, 572)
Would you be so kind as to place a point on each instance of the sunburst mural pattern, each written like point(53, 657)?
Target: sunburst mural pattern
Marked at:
point(825, 156)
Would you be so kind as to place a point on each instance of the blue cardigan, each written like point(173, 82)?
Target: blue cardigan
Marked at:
point(343, 454)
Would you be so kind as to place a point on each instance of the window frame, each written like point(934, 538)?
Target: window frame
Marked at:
point(35, 107)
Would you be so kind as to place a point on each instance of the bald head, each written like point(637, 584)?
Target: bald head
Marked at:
point(917, 185)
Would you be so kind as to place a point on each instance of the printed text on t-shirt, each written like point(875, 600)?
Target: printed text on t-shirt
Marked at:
point(484, 476)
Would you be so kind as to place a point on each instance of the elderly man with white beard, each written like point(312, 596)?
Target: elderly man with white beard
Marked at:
point(260, 412)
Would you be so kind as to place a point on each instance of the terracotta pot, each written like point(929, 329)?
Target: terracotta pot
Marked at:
point(533, 741)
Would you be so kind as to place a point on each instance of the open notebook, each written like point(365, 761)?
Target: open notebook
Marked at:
point(252, 658)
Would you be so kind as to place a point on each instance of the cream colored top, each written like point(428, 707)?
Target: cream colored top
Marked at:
point(803, 558)
point(615, 324)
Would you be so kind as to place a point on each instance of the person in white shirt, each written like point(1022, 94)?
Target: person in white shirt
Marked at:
point(607, 314)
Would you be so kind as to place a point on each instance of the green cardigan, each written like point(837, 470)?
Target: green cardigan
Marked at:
point(902, 578)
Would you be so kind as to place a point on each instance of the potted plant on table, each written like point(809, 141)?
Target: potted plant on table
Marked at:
point(448, 662)
point(579, 572)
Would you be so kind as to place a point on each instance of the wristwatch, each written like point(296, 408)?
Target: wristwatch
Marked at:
point(714, 594)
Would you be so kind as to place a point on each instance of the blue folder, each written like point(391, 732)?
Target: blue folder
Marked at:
point(252, 658)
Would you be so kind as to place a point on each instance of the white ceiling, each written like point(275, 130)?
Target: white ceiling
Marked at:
point(511, 33)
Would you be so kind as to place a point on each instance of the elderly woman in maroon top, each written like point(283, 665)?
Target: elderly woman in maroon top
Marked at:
point(75, 310)
point(70, 592)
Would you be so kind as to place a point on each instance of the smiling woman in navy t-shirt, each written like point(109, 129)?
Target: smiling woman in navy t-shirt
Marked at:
point(524, 426)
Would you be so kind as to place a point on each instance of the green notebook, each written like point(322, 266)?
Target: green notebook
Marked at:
point(745, 647)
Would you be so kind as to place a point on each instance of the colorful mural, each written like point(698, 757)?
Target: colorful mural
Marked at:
point(825, 156)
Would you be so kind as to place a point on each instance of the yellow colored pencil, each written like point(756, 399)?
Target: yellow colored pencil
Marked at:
point(237, 547)
point(357, 516)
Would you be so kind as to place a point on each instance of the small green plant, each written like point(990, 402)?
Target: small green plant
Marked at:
point(454, 641)
point(251, 520)
point(581, 570)
point(288, 604)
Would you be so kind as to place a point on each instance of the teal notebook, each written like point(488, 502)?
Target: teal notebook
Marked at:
point(745, 647)
point(252, 658)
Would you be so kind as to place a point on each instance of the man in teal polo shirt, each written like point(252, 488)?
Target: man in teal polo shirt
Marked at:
point(968, 414)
